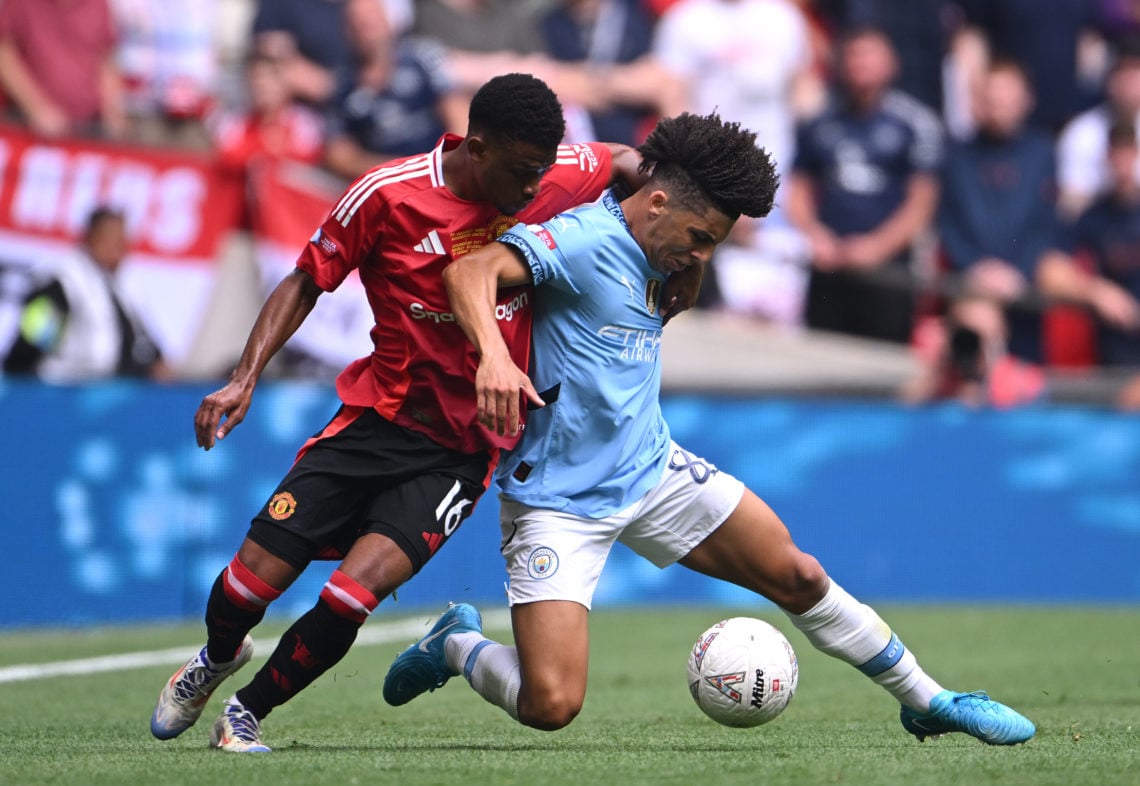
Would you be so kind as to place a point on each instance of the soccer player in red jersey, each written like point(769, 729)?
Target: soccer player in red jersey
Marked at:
point(400, 466)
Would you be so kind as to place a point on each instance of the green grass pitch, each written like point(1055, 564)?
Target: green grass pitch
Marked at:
point(1074, 671)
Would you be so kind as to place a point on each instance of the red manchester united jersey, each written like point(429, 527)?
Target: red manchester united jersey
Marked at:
point(400, 226)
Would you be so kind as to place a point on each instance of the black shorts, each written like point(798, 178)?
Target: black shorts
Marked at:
point(361, 474)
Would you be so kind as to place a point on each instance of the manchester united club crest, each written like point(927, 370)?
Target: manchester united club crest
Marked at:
point(652, 295)
point(282, 506)
point(501, 224)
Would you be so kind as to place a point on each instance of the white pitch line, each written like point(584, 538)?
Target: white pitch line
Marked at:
point(385, 633)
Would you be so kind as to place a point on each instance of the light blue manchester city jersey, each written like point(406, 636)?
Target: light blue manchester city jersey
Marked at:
point(601, 441)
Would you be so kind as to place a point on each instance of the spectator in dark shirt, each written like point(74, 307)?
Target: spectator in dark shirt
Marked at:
point(997, 219)
point(396, 100)
point(308, 38)
point(1048, 39)
point(920, 31)
point(863, 189)
point(1105, 276)
point(599, 35)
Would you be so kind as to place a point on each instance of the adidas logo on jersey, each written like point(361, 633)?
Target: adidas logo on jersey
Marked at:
point(431, 244)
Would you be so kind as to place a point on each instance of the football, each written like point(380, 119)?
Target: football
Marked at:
point(742, 672)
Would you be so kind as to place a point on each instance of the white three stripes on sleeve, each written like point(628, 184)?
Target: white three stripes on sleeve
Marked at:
point(367, 185)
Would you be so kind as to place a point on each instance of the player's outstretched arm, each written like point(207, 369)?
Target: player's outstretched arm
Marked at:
point(472, 282)
point(283, 312)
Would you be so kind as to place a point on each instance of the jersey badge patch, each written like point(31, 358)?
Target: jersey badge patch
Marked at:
point(543, 563)
point(324, 242)
point(543, 235)
point(282, 506)
point(652, 295)
point(501, 225)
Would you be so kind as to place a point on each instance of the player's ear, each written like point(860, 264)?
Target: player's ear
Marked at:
point(478, 147)
point(658, 201)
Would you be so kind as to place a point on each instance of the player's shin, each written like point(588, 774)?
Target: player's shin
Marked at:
point(312, 645)
point(490, 667)
point(845, 629)
point(237, 603)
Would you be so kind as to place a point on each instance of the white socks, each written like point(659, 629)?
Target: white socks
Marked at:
point(838, 625)
point(490, 667)
point(846, 629)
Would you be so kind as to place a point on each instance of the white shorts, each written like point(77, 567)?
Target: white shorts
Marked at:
point(555, 555)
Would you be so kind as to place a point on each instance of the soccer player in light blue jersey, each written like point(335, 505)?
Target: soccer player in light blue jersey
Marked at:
point(596, 463)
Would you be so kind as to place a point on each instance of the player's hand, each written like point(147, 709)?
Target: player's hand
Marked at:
point(497, 384)
point(231, 402)
point(680, 292)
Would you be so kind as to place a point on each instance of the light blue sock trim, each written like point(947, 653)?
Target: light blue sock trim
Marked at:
point(469, 666)
point(890, 655)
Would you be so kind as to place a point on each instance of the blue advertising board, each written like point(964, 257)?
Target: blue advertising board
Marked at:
point(112, 514)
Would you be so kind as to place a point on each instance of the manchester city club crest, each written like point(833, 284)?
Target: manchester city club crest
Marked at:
point(543, 563)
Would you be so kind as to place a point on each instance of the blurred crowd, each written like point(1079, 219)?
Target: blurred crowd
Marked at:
point(958, 176)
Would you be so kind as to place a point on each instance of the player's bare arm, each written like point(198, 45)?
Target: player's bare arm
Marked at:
point(284, 311)
point(625, 168)
point(472, 282)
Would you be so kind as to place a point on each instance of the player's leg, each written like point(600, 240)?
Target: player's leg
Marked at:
point(540, 681)
point(315, 642)
point(277, 549)
point(406, 524)
point(311, 508)
point(554, 561)
point(753, 549)
point(552, 640)
point(237, 602)
point(416, 496)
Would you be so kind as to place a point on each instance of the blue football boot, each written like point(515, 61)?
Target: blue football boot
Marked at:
point(423, 667)
point(975, 714)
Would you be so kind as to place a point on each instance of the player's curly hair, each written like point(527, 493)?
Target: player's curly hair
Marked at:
point(518, 107)
point(705, 160)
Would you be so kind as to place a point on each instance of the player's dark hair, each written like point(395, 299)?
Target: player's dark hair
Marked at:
point(705, 160)
point(517, 107)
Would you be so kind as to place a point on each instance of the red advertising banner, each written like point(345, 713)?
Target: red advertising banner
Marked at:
point(181, 209)
point(179, 206)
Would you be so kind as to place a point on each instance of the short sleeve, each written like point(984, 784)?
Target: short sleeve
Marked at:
point(344, 239)
point(550, 250)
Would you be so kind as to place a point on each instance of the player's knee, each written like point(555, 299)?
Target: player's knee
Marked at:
point(549, 712)
point(804, 583)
